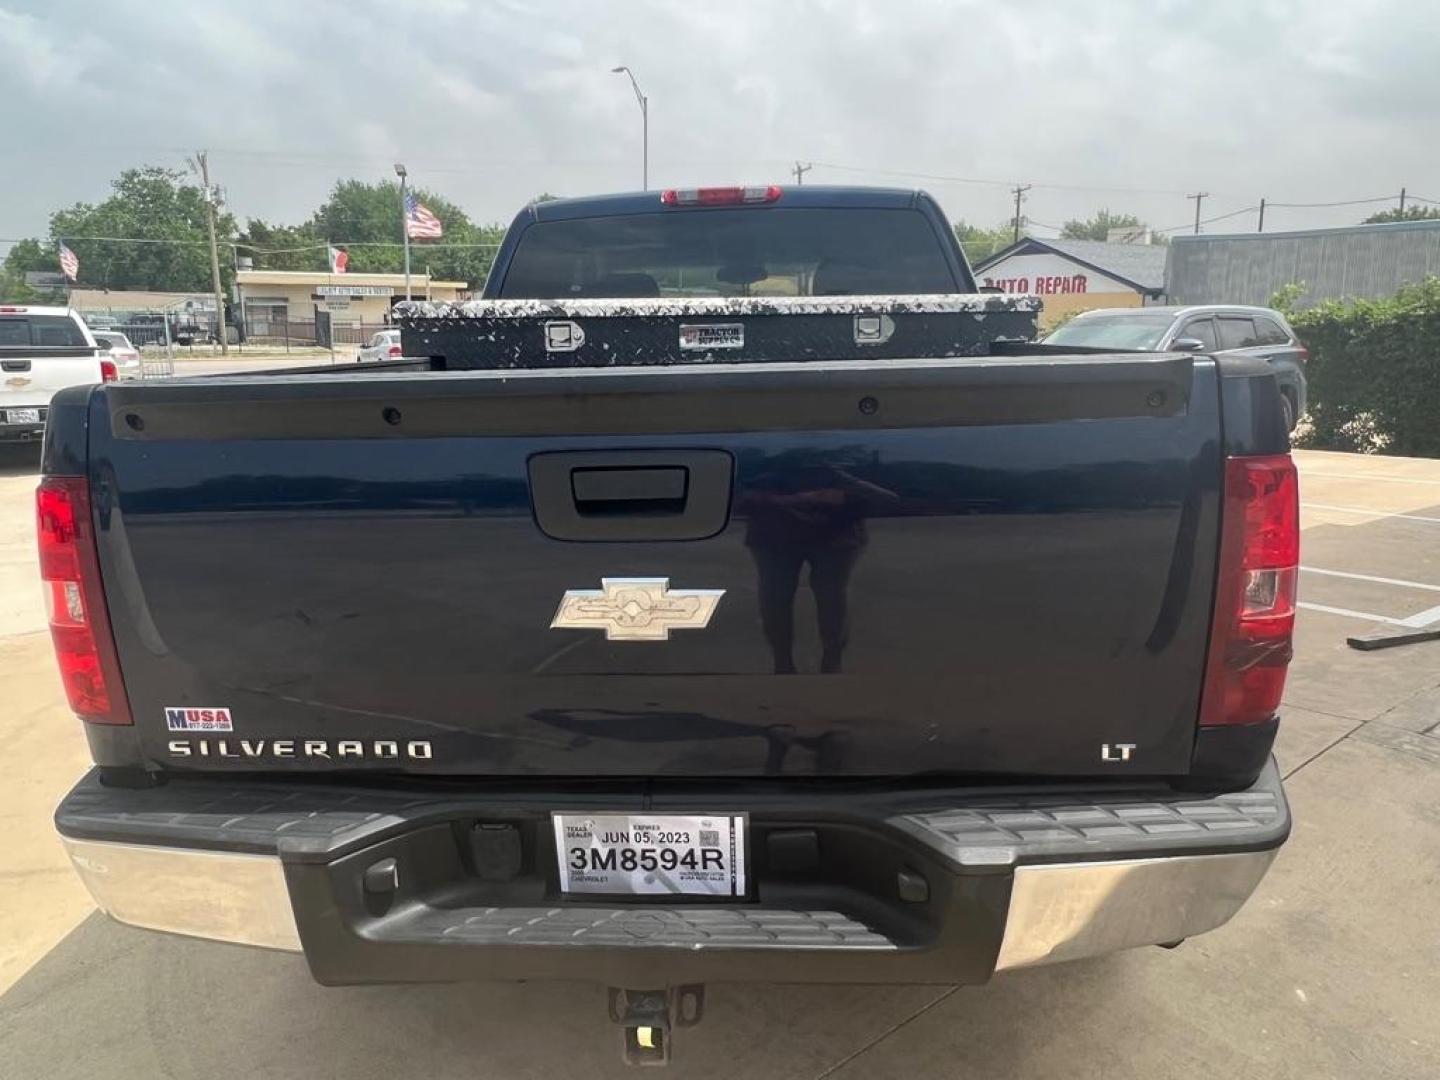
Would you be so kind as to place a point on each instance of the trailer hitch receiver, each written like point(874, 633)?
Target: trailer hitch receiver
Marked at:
point(650, 1017)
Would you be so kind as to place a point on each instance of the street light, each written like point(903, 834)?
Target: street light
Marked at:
point(404, 225)
point(645, 125)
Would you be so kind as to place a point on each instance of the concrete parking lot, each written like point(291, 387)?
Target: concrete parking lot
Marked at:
point(1332, 970)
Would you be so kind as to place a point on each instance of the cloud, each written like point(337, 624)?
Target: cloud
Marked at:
point(1125, 105)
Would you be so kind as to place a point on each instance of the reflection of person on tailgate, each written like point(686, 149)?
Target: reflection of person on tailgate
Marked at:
point(816, 515)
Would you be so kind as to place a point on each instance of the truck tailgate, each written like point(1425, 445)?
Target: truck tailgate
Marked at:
point(30, 376)
point(988, 566)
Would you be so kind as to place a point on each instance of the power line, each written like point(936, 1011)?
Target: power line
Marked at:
point(1344, 202)
point(992, 182)
point(252, 248)
point(115, 239)
point(1207, 221)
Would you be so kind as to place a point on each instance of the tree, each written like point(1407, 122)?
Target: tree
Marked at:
point(1410, 213)
point(1098, 226)
point(367, 218)
point(149, 203)
point(282, 247)
point(23, 257)
point(28, 255)
point(158, 204)
point(979, 242)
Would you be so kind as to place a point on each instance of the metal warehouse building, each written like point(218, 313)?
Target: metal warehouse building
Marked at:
point(1369, 261)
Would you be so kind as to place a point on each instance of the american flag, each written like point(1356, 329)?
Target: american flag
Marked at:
point(420, 223)
point(69, 263)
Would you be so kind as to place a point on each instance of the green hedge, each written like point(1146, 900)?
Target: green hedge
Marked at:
point(1374, 371)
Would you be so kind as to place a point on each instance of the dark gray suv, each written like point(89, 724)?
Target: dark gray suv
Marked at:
point(1210, 328)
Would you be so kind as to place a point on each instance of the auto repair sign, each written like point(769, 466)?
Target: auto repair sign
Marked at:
point(1048, 275)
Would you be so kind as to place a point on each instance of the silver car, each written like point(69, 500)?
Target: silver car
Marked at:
point(119, 350)
point(1209, 328)
point(383, 346)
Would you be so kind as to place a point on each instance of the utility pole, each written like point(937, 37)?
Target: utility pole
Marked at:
point(212, 196)
point(1199, 197)
point(800, 171)
point(404, 225)
point(1261, 227)
point(1019, 192)
point(1402, 202)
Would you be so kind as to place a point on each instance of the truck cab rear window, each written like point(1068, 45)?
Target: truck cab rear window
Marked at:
point(40, 330)
point(760, 251)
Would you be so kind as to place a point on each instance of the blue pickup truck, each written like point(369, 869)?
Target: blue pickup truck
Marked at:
point(729, 594)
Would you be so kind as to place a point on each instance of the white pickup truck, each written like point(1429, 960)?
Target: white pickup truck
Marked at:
point(42, 350)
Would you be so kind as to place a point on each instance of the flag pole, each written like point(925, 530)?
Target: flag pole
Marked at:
point(404, 226)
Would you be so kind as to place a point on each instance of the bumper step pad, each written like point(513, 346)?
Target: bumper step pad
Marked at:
point(690, 928)
point(993, 831)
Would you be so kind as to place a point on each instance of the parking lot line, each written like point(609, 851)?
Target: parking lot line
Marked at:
point(1368, 476)
point(1370, 513)
point(1422, 619)
point(1371, 577)
point(1367, 616)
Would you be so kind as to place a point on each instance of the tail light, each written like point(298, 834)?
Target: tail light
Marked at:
point(108, 371)
point(1302, 352)
point(719, 196)
point(1254, 619)
point(75, 601)
point(394, 350)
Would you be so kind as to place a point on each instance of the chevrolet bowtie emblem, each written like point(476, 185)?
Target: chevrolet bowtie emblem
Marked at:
point(636, 609)
point(17, 382)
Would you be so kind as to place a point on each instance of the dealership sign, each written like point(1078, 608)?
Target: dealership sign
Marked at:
point(357, 291)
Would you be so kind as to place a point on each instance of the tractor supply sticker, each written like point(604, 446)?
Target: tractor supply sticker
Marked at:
point(712, 335)
point(212, 719)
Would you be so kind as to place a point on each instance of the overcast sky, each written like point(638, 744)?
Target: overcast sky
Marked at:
point(1118, 104)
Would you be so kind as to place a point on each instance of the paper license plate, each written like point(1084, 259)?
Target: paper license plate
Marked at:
point(22, 416)
point(641, 854)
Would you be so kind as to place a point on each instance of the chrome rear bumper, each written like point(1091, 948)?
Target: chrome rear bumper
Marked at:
point(221, 895)
point(1075, 910)
point(1056, 913)
point(935, 887)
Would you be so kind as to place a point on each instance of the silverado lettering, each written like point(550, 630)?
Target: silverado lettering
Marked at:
point(375, 750)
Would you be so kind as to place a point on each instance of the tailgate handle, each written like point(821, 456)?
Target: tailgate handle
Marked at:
point(610, 491)
point(631, 494)
point(15, 365)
